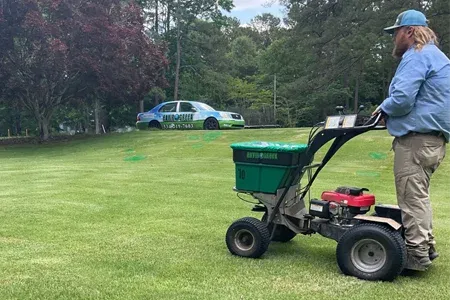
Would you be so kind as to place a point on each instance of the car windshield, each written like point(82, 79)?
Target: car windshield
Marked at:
point(204, 106)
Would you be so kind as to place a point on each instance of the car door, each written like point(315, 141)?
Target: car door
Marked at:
point(188, 114)
point(169, 114)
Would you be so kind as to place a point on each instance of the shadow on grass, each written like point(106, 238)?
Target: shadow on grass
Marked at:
point(320, 256)
point(418, 275)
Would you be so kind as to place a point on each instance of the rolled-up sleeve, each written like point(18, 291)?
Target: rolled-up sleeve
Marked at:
point(405, 86)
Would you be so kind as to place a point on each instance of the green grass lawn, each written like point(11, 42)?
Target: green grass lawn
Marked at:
point(143, 215)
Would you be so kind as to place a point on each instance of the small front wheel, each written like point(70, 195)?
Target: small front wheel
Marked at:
point(282, 234)
point(248, 237)
point(371, 252)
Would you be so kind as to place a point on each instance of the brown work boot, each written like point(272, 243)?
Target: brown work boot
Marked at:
point(433, 253)
point(417, 263)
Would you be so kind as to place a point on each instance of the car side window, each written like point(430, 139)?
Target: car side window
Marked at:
point(170, 107)
point(187, 107)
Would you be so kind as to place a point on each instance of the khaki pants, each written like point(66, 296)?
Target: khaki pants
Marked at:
point(417, 157)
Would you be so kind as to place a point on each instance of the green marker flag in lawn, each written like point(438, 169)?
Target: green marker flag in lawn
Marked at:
point(378, 156)
point(135, 158)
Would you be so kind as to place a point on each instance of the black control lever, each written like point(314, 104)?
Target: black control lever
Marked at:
point(361, 107)
point(340, 110)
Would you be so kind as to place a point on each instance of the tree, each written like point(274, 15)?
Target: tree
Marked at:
point(53, 51)
point(205, 66)
point(243, 57)
point(185, 13)
point(116, 57)
point(268, 27)
point(34, 60)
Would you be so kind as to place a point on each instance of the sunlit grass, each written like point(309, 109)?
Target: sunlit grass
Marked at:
point(143, 216)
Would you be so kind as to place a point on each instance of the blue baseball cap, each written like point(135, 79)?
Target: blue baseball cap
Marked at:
point(408, 18)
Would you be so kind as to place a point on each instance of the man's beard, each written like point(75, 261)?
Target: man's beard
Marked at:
point(399, 50)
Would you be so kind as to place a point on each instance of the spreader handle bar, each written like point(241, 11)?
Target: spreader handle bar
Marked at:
point(340, 136)
point(312, 166)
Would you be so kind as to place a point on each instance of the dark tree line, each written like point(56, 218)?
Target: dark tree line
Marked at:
point(88, 63)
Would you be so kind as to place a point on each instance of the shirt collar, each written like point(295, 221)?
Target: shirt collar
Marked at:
point(409, 51)
point(413, 47)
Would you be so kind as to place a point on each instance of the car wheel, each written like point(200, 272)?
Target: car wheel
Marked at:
point(371, 252)
point(282, 233)
point(154, 125)
point(248, 237)
point(211, 124)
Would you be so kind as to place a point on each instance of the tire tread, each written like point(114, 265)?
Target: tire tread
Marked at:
point(260, 228)
point(395, 236)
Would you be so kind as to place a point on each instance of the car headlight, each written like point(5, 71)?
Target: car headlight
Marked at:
point(225, 115)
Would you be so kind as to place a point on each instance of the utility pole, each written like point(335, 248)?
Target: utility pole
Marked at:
point(275, 98)
point(177, 71)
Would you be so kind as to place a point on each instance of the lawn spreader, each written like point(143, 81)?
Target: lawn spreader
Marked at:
point(370, 246)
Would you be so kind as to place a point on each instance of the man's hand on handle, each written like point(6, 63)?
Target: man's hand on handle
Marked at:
point(382, 119)
point(377, 111)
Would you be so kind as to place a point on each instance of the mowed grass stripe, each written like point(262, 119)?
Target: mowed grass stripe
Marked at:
point(143, 216)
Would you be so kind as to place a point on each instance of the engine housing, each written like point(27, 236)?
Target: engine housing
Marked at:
point(344, 202)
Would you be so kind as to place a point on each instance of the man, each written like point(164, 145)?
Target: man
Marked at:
point(417, 114)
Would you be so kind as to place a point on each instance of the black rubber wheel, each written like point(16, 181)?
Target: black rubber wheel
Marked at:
point(248, 237)
point(374, 214)
point(282, 233)
point(211, 124)
point(154, 125)
point(371, 252)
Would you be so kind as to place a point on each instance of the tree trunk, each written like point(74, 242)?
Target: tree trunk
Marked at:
point(141, 106)
point(346, 85)
point(44, 125)
point(177, 71)
point(358, 78)
point(168, 19)
point(288, 111)
point(356, 99)
point(18, 122)
point(156, 100)
point(96, 115)
point(43, 122)
point(157, 17)
point(86, 120)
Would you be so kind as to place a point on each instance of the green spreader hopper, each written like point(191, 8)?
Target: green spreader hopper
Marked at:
point(264, 166)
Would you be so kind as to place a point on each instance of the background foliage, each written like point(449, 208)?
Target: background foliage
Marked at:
point(87, 63)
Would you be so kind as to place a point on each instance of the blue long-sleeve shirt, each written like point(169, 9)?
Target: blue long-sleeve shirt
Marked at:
point(419, 94)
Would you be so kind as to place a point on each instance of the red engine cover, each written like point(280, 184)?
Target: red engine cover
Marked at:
point(349, 200)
